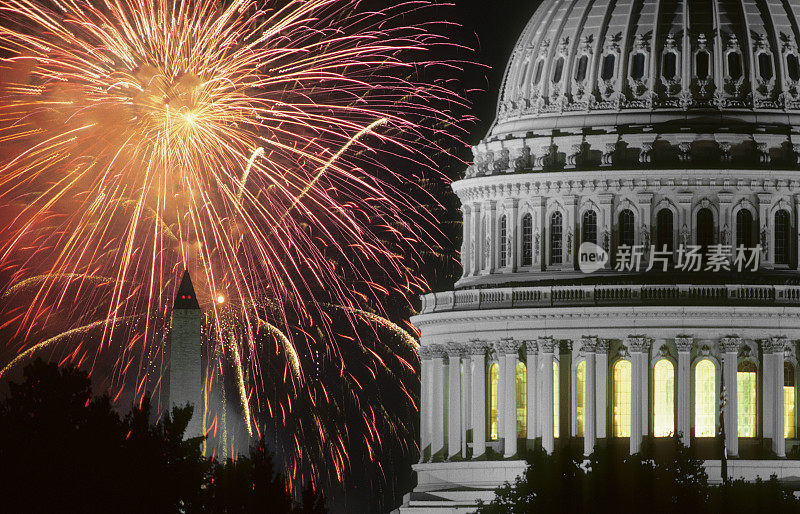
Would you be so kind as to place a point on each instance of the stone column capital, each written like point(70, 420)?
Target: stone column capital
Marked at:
point(775, 345)
point(531, 347)
point(730, 344)
point(684, 343)
point(425, 352)
point(507, 345)
point(588, 344)
point(601, 346)
point(454, 349)
point(639, 344)
point(437, 351)
point(547, 344)
point(477, 347)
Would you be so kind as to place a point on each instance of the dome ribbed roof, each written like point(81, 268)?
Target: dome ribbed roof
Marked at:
point(606, 63)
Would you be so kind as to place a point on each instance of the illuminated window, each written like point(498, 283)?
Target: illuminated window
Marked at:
point(494, 376)
point(746, 399)
point(664, 398)
point(503, 241)
point(555, 399)
point(705, 399)
point(789, 425)
point(580, 395)
point(555, 238)
point(589, 226)
point(527, 240)
point(622, 399)
point(522, 401)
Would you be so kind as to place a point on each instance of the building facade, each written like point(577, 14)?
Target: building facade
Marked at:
point(662, 138)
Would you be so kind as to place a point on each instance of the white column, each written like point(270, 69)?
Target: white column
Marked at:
point(589, 421)
point(730, 349)
point(476, 240)
point(512, 234)
point(540, 234)
point(532, 356)
point(546, 347)
point(466, 403)
point(438, 399)
point(773, 404)
point(684, 347)
point(764, 224)
point(454, 351)
point(570, 235)
point(508, 349)
point(467, 248)
point(477, 350)
point(601, 386)
point(425, 402)
point(639, 348)
point(492, 214)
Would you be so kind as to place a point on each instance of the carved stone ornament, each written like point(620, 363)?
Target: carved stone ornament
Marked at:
point(775, 344)
point(547, 344)
point(454, 349)
point(531, 347)
point(638, 344)
point(425, 352)
point(477, 347)
point(684, 343)
point(730, 344)
point(437, 350)
point(623, 352)
point(588, 344)
point(507, 345)
point(601, 346)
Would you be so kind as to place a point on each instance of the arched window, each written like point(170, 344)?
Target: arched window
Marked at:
point(765, 66)
point(559, 70)
point(663, 398)
point(503, 242)
point(555, 399)
point(527, 240)
point(580, 70)
point(522, 75)
point(670, 65)
point(701, 65)
point(608, 67)
point(664, 229)
point(622, 399)
point(744, 228)
point(589, 227)
point(538, 75)
point(782, 228)
point(637, 66)
point(746, 399)
point(556, 228)
point(705, 228)
point(580, 395)
point(705, 399)
point(734, 65)
point(793, 67)
point(626, 228)
point(522, 401)
point(494, 378)
point(789, 402)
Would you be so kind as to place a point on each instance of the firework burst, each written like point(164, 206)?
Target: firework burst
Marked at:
point(272, 148)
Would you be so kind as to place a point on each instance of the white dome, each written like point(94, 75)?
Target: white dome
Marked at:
point(583, 64)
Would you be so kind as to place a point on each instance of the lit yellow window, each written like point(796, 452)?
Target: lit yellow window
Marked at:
point(580, 390)
point(622, 399)
point(494, 377)
point(522, 401)
point(705, 399)
point(664, 398)
point(555, 399)
point(789, 425)
point(746, 399)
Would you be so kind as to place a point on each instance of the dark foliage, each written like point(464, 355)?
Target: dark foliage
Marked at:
point(61, 450)
point(672, 482)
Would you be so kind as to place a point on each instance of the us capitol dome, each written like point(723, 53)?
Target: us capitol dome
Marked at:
point(630, 249)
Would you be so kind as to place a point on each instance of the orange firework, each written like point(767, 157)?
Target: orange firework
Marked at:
point(275, 149)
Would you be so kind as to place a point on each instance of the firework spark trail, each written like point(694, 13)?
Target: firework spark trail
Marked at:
point(125, 126)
